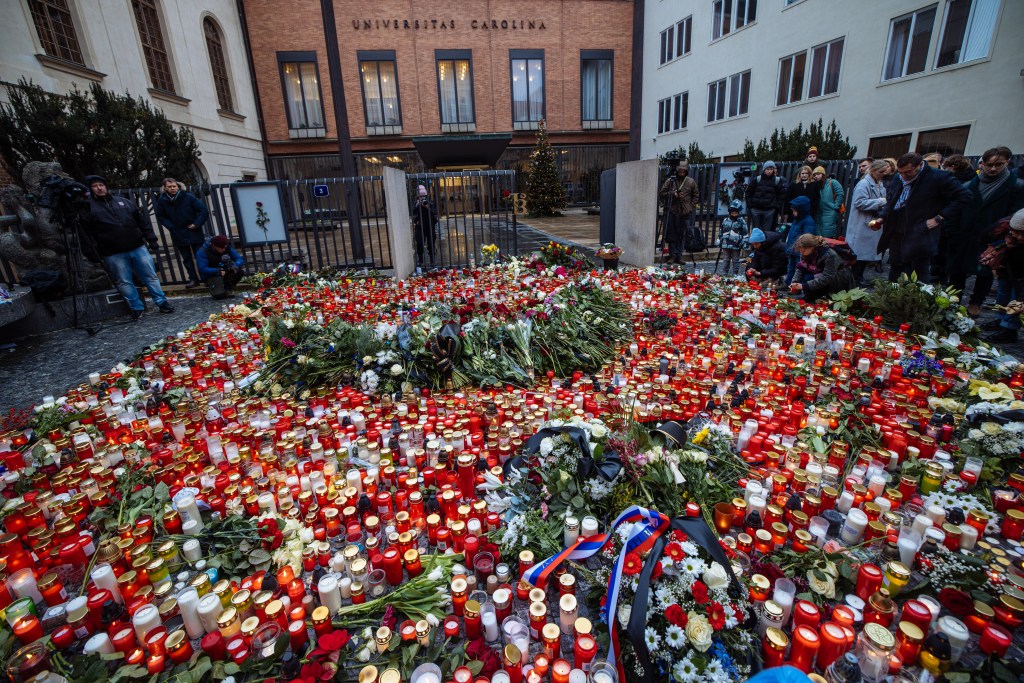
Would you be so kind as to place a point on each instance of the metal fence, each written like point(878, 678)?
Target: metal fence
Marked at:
point(474, 209)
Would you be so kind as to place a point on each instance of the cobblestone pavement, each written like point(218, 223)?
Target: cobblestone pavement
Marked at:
point(53, 363)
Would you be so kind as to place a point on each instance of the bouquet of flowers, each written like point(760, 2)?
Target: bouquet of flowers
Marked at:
point(609, 252)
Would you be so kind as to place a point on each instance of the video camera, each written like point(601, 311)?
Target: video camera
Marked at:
point(64, 194)
point(741, 173)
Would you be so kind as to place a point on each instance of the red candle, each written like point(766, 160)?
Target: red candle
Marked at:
point(833, 644)
point(584, 651)
point(869, 580)
point(213, 644)
point(451, 627)
point(995, 640)
point(805, 613)
point(917, 613)
point(805, 647)
point(773, 647)
point(155, 664)
point(392, 563)
point(28, 629)
point(124, 640)
point(63, 636)
point(560, 671)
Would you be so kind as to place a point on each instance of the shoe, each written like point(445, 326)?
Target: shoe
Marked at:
point(1003, 336)
point(194, 284)
point(973, 310)
point(992, 325)
point(166, 308)
point(135, 315)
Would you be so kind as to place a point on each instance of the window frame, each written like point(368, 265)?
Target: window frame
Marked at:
point(163, 48)
point(669, 112)
point(910, 44)
point(72, 52)
point(971, 15)
point(965, 127)
point(682, 39)
point(792, 74)
point(725, 24)
point(301, 57)
point(454, 56)
point(376, 57)
point(889, 136)
point(725, 91)
point(527, 56)
point(211, 21)
point(597, 56)
point(828, 45)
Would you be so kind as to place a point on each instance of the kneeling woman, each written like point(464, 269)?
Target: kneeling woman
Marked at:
point(820, 271)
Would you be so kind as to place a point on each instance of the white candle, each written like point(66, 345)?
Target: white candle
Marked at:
point(99, 643)
point(23, 585)
point(784, 595)
point(588, 527)
point(845, 502)
point(187, 507)
point(490, 623)
point(94, 378)
point(345, 587)
point(188, 604)
point(330, 597)
point(103, 577)
point(500, 676)
point(567, 613)
point(192, 527)
point(877, 484)
point(192, 551)
point(209, 608)
point(936, 513)
point(145, 620)
point(968, 537)
point(853, 530)
point(922, 523)
point(267, 502)
point(957, 633)
point(577, 676)
point(571, 531)
point(354, 478)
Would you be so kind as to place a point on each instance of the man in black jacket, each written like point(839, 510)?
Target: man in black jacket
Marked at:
point(770, 261)
point(183, 215)
point(120, 233)
point(766, 197)
point(920, 200)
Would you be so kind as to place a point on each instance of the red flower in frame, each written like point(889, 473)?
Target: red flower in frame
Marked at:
point(699, 590)
point(676, 616)
point(633, 564)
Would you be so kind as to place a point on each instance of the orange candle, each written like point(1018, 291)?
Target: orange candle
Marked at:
point(28, 629)
point(560, 671)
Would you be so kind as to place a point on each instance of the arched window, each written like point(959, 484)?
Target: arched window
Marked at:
point(218, 64)
point(56, 29)
point(153, 47)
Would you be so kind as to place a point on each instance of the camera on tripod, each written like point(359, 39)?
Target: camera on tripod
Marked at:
point(66, 195)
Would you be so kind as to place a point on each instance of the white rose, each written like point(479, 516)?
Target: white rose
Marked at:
point(698, 631)
point(306, 535)
point(598, 431)
point(826, 587)
point(975, 434)
point(397, 369)
point(367, 360)
point(991, 428)
point(624, 612)
point(363, 655)
point(715, 576)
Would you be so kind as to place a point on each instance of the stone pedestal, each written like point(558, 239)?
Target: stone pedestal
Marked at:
point(403, 257)
point(636, 211)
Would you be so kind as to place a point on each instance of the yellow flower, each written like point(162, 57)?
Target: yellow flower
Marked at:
point(987, 391)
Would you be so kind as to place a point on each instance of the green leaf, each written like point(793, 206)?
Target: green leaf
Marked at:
point(476, 666)
point(578, 502)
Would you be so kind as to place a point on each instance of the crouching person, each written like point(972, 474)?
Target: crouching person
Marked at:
point(820, 272)
point(220, 266)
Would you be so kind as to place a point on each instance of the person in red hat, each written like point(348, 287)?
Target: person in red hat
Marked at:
point(220, 266)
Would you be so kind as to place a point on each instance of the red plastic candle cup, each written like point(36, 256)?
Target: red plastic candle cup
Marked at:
point(213, 644)
point(869, 580)
point(805, 646)
point(833, 644)
point(995, 640)
point(28, 629)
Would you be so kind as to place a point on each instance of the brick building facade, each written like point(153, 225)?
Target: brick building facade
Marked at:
point(441, 85)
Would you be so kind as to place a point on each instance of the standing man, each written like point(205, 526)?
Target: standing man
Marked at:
point(183, 215)
point(680, 194)
point(120, 233)
point(863, 166)
point(766, 197)
point(920, 200)
point(424, 220)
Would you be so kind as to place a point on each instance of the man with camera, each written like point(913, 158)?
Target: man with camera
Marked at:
point(681, 196)
point(120, 233)
point(220, 266)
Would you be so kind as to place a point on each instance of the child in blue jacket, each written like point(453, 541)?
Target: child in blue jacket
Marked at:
point(734, 237)
point(802, 224)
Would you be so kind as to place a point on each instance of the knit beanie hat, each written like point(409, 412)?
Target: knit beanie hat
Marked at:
point(1017, 221)
point(219, 241)
point(768, 164)
point(819, 169)
point(421, 190)
point(756, 236)
point(812, 150)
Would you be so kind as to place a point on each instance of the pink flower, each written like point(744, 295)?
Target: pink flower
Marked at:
point(287, 343)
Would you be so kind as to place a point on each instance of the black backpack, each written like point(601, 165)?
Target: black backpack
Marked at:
point(694, 240)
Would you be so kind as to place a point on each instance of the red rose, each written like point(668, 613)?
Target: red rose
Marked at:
point(482, 652)
point(956, 601)
point(699, 590)
point(676, 616)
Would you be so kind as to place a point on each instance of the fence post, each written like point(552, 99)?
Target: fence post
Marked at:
point(636, 210)
point(396, 202)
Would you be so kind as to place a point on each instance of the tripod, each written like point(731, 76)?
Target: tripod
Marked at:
point(75, 269)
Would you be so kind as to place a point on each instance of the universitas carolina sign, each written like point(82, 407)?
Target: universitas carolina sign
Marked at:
point(446, 24)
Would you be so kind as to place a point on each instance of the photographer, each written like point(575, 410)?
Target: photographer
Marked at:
point(424, 220)
point(220, 266)
point(120, 233)
point(681, 197)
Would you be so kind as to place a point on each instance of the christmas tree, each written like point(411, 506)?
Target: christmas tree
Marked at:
point(545, 195)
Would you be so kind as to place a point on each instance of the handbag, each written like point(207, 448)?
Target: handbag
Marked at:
point(993, 256)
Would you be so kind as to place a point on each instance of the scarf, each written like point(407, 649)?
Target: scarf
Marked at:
point(907, 186)
point(988, 184)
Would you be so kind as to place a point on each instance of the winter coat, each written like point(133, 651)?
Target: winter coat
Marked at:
point(867, 202)
point(810, 189)
point(116, 225)
point(682, 206)
point(802, 224)
point(424, 215)
point(828, 207)
point(933, 193)
point(176, 213)
point(733, 233)
point(767, 194)
point(770, 259)
point(829, 274)
point(970, 232)
point(209, 262)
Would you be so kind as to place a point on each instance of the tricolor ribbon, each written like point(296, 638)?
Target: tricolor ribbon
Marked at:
point(645, 528)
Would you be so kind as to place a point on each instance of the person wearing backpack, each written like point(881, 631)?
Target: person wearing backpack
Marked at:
point(830, 203)
point(820, 271)
point(220, 266)
point(802, 224)
point(681, 196)
point(766, 197)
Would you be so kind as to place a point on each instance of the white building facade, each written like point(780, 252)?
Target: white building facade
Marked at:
point(895, 75)
point(187, 57)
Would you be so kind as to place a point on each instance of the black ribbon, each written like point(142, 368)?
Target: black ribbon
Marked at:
point(999, 418)
point(446, 348)
point(674, 432)
point(607, 469)
point(698, 532)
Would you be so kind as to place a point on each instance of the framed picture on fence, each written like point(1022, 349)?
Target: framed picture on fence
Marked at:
point(732, 185)
point(259, 213)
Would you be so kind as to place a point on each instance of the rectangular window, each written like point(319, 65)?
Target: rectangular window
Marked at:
point(301, 84)
point(967, 31)
point(791, 79)
point(683, 30)
point(56, 29)
point(596, 88)
point(455, 88)
point(729, 15)
point(909, 36)
point(945, 141)
point(667, 44)
point(147, 16)
point(892, 146)
point(379, 76)
point(527, 88)
point(673, 113)
point(728, 97)
point(826, 61)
